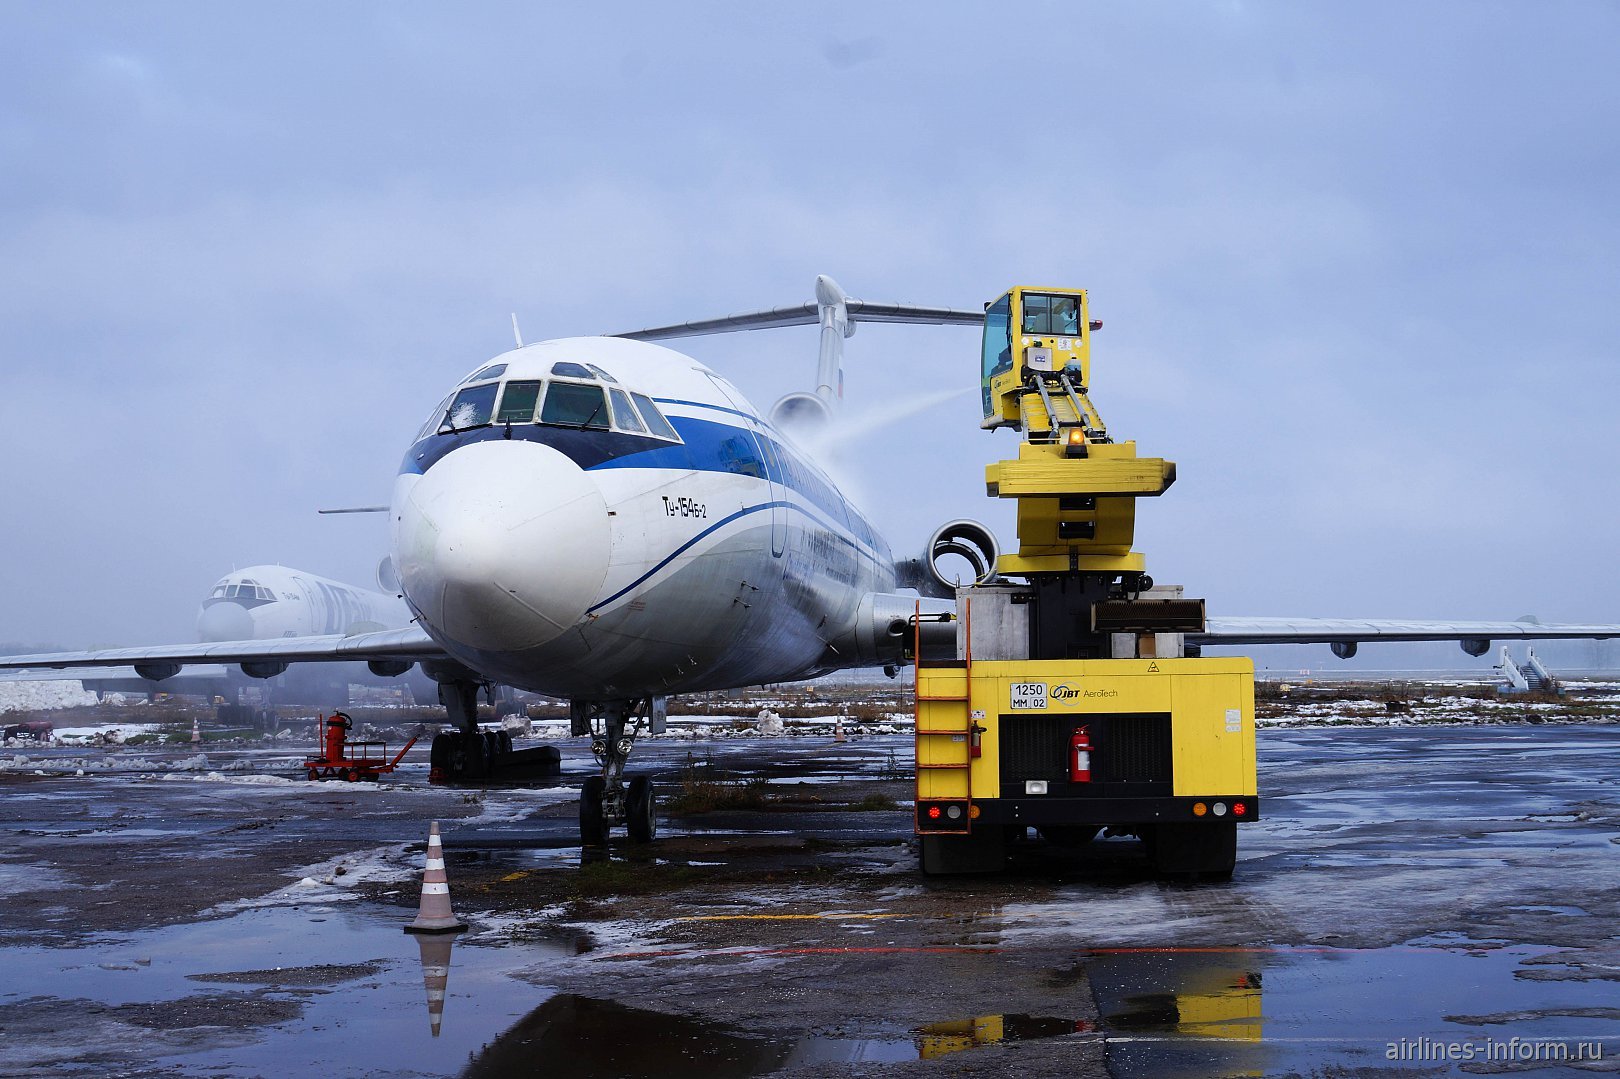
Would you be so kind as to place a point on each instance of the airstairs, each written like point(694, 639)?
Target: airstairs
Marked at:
point(1531, 677)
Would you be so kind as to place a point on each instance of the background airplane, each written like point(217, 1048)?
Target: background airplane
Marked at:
point(606, 520)
point(270, 602)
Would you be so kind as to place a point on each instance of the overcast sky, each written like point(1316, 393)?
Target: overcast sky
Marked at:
point(1357, 263)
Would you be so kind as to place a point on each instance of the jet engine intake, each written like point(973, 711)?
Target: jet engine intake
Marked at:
point(264, 668)
point(968, 540)
point(801, 414)
point(157, 672)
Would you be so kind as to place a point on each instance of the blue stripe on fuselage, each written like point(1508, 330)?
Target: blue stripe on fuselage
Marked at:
point(707, 446)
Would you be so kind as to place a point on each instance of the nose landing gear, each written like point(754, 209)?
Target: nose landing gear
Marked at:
point(606, 800)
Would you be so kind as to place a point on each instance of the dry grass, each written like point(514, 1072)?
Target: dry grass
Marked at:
point(705, 788)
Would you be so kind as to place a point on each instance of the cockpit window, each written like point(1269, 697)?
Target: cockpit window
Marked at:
point(517, 403)
point(574, 404)
point(624, 414)
point(601, 374)
point(570, 370)
point(434, 421)
point(655, 419)
point(473, 407)
point(494, 370)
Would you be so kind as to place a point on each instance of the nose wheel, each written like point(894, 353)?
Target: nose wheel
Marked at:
point(608, 799)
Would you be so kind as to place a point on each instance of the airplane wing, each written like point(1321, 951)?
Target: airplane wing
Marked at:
point(1475, 637)
point(808, 314)
point(410, 643)
point(198, 679)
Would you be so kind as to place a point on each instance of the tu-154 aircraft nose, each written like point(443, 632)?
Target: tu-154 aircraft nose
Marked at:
point(501, 545)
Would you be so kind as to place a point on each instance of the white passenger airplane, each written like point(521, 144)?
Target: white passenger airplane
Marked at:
point(270, 603)
point(606, 520)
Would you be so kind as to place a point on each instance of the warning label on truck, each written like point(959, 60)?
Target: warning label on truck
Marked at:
point(1028, 696)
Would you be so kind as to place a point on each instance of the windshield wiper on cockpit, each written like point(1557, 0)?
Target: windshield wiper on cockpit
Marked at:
point(594, 413)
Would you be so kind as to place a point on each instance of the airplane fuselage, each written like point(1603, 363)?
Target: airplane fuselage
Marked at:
point(594, 517)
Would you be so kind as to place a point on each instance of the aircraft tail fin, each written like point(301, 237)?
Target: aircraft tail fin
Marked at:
point(837, 314)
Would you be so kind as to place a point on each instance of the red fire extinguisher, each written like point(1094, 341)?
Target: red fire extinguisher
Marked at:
point(1080, 755)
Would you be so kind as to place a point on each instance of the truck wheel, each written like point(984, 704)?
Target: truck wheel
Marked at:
point(641, 809)
point(314, 773)
point(345, 775)
point(593, 829)
point(1194, 850)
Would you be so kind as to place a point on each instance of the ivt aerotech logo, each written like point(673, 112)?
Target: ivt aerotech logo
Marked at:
point(1065, 692)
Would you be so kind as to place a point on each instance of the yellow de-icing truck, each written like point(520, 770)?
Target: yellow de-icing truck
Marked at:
point(1073, 706)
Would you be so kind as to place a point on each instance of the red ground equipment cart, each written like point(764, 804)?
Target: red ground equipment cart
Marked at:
point(348, 760)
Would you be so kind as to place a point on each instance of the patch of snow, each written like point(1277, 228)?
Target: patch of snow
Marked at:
point(330, 881)
point(40, 696)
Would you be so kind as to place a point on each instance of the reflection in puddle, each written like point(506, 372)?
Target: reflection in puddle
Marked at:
point(435, 973)
point(939, 1039)
point(579, 1036)
point(1198, 1011)
point(583, 1036)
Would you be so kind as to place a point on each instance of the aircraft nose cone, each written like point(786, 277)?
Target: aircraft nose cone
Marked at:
point(224, 621)
point(502, 545)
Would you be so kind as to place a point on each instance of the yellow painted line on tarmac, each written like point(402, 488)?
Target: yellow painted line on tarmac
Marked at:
point(834, 917)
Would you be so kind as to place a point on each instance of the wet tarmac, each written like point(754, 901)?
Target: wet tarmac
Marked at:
point(1412, 895)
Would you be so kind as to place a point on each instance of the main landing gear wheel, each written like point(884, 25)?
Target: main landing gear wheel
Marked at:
point(593, 826)
point(641, 810)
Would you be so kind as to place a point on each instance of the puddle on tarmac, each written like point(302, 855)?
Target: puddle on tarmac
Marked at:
point(1238, 1011)
point(370, 998)
point(365, 998)
point(581, 1036)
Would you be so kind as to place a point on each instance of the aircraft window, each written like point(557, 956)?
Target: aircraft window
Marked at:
point(434, 420)
point(517, 403)
point(494, 370)
point(601, 374)
point(655, 419)
point(574, 404)
point(570, 370)
point(218, 592)
point(472, 407)
point(624, 415)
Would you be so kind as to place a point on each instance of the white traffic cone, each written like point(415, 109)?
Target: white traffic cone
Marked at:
point(838, 729)
point(434, 915)
point(196, 733)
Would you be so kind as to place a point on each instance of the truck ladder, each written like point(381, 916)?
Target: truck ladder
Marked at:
point(943, 729)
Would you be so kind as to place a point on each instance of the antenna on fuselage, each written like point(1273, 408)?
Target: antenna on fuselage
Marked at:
point(517, 334)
